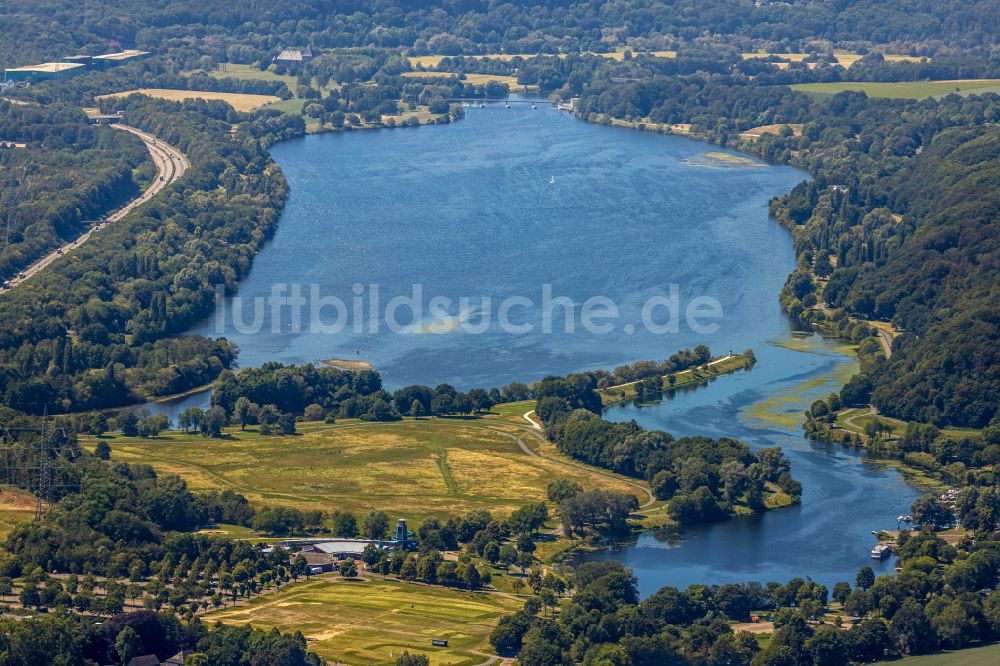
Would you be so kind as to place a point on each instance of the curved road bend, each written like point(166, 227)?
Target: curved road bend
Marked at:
point(170, 165)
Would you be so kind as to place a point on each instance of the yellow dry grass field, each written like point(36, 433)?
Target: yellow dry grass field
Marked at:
point(239, 101)
point(412, 469)
point(477, 79)
point(757, 132)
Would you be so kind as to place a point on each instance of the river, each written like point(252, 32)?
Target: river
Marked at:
point(507, 201)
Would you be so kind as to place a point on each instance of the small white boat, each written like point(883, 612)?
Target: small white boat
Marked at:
point(552, 180)
point(881, 551)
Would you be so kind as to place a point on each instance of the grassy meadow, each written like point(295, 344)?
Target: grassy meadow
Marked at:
point(903, 90)
point(373, 621)
point(412, 468)
point(988, 655)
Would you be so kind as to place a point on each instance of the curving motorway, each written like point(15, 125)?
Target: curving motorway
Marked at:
point(170, 164)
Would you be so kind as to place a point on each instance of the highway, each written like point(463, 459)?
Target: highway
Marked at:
point(170, 165)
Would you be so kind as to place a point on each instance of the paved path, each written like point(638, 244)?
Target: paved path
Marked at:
point(849, 421)
point(170, 165)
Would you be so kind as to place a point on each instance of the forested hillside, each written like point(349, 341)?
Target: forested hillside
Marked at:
point(942, 285)
point(67, 173)
point(44, 29)
point(93, 330)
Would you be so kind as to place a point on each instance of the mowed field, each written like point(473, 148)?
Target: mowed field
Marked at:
point(981, 656)
point(903, 90)
point(239, 101)
point(411, 469)
point(372, 622)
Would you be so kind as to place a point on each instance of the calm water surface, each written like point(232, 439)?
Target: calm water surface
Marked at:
point(509, 200)
point(827, 537)
point(471, 210)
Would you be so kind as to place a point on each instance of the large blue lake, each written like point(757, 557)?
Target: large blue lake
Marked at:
point(499, 205)
point(507, 201)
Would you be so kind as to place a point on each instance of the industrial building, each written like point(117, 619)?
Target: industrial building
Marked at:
point(47, 71)
point(112, 59)
point(70, 66)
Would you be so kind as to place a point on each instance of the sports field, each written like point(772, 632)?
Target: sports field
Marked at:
point(372, 622)
point(903, 90)
point(239, 101)
point(411, 469)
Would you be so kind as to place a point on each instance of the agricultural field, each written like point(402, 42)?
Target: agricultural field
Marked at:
point(373, 621)
point(411, 469)
point(239, 101)
point(903, 90)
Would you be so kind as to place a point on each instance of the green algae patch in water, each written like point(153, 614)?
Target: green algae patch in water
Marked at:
point(785, 409)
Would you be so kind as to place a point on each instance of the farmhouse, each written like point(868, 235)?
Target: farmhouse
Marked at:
point(293, 57)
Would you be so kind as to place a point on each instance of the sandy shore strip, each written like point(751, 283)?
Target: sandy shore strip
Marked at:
point(348, 364)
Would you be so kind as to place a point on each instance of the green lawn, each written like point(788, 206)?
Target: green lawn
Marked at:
point(293, 105)
point(412, 469)
point(980, 656)
point(373, 622)
point(250, 72)
point(903, 90)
